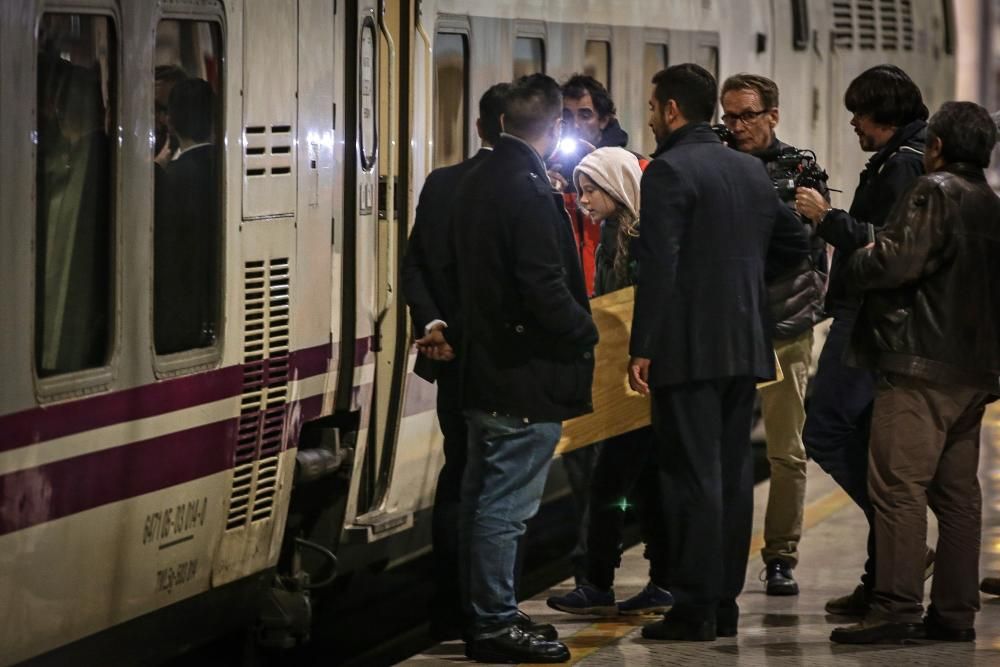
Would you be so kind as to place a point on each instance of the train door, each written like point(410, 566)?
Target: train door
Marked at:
point(372, 246)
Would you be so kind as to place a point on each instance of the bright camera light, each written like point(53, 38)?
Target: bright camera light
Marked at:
point(567, 145)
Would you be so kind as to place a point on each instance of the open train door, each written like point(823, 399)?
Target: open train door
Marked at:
point(370, 369)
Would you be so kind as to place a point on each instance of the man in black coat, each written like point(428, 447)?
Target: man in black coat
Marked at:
point(700, 341)
point(930, 325)
point(432, 296)
point(889, 119)
point(526, 355)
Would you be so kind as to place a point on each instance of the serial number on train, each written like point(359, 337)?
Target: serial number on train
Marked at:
point(175, 575)
point(174, 521)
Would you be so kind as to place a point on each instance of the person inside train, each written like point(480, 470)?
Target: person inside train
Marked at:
point(432, 295)
point(185, 258)
point(165, 145)
point(74, 206)
point(625, 473)
point(701, 340)
point(750, 112)
point(527, 359)
point(890, 120)
point(929, 325)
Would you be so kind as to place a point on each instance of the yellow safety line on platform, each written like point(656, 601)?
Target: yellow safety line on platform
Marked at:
point(594, 637)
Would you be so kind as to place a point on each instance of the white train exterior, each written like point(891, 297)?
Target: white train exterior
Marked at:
point(141, 485)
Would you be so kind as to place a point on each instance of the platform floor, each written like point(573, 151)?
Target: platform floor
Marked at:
point(775, 630)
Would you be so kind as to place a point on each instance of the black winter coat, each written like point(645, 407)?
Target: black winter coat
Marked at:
point(527, 337)
point(708, 214)
point(428, 269)
point(884, 181)
point(931, 307)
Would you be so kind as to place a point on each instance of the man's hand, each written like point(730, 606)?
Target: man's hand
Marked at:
point(559, 184)
point(638, 375)
point(810, 204)
point(434, 346)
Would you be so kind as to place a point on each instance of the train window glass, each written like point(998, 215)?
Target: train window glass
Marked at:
point(800, 25)
point(708, 57)
point(529, 56)
point(75, 185)
point(655, 57)
point(187, 185)
point(597, 61)
point(451, 77)
point(949, 26)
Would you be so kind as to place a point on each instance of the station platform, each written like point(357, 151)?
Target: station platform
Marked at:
point(782, 630)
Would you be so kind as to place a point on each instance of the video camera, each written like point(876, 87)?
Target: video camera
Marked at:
point(724, 134)
point(795, 168)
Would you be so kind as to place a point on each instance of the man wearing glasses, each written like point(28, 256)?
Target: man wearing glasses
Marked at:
point(890, 120)
point(750, 106)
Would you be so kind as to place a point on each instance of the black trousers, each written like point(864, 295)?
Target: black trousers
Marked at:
point(446, 602)
point(703, 443)
point(838, 423)
point(625, 476)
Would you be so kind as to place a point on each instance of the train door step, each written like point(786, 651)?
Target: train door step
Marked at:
point(378, 525)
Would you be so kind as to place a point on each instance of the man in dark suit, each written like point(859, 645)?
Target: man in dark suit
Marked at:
point(700, 341)
point(432, 295)
point(526, 355)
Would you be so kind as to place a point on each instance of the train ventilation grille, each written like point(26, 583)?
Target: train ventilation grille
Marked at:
point(888, 15)
point(866, 25)
point(906, 16)
point(267, 150)
point(264, 400)
point(843, 24)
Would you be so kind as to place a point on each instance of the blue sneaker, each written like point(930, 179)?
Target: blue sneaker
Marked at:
point(650, 600)
point(585, 600)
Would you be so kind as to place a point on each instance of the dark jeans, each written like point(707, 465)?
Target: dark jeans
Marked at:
point(625, 476)
point(703, 443)
point(837, 425)
point(446, 601)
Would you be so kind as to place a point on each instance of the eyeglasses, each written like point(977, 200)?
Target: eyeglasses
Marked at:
point(746, 117)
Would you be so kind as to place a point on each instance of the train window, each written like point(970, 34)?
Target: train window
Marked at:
point(529, 56)
point(597, 61)
point(708, 57)
point(655, 57)
point(187, 185)
point(800, 25)
point(75, 185)
point(947, 12)
point(451, 94)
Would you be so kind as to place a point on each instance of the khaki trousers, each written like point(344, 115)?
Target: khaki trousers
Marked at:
point(784, 416)
point(924, 450)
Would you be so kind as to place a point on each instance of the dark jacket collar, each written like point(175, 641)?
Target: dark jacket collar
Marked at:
point(965, 170)
point(613, 135)
point(776, 148)
point(691, 133)
point(511, 145)
point(912, 136)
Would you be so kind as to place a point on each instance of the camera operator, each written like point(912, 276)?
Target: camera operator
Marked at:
point(889, 118)
point(750, 113)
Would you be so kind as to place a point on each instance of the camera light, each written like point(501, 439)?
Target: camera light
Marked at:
point(567, 145)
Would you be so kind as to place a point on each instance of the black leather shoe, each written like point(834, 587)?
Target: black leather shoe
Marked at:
point(727, 618)
point(877, 631)
point(546, 631)
point(779, 578)
point(990, 585)
point(514, 645)
point(856, 604)
point(934, 629)
point(672, 628)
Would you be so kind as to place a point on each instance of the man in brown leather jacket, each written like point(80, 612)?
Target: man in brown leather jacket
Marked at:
point(930, 325)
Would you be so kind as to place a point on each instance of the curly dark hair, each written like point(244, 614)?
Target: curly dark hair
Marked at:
point(966, 131)
point(579, 85)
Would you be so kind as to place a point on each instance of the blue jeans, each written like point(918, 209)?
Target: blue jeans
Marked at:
point(505, 472)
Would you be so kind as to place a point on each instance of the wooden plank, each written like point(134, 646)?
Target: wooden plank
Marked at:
point(617, 409)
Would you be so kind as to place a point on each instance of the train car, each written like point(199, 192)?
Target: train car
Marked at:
point(207, 388)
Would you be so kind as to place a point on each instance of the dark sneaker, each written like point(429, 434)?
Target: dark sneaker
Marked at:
point(671, 628)
point(650, 600)
point(586, 600)
point(937, 631)
point(514, 645)
point(990, 585)
point(856, 604)
point(877, 631)
point(779, 578)
point(544, 630)
point(727, 619)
